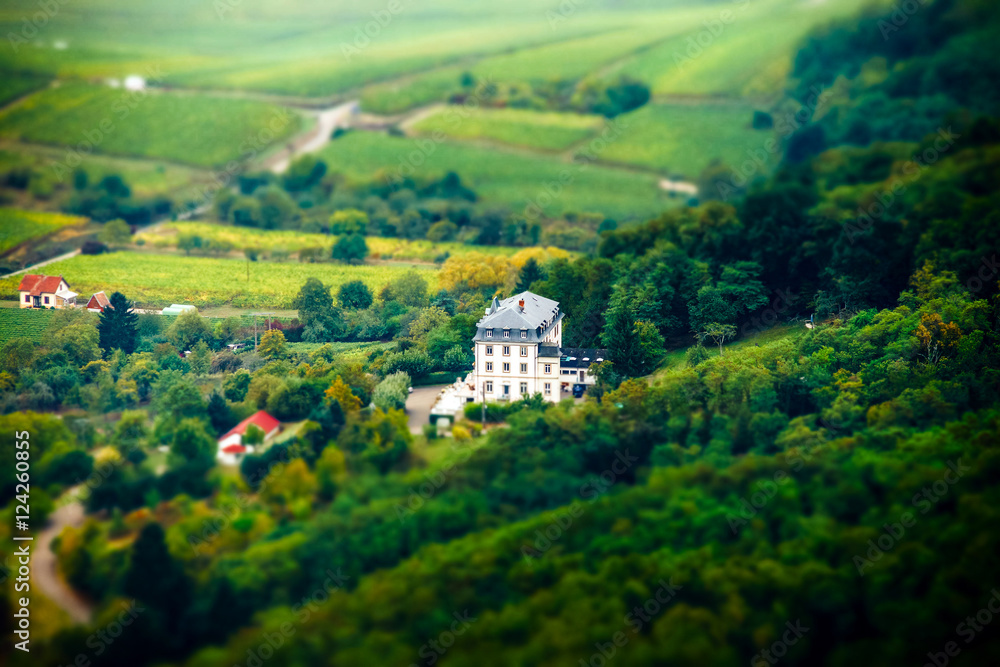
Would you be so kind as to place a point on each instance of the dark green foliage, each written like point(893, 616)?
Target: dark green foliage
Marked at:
point(153, 577)
point(304, 173)
point(118, 326)
point(350, 249)
point(355, 295)
point(530, 273)
point(220, 414)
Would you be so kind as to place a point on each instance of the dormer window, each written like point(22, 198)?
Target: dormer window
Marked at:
point(506, 333)
point(524, 333)
point(489, 333)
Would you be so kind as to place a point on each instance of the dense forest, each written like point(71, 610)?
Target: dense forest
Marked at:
point(815, 495)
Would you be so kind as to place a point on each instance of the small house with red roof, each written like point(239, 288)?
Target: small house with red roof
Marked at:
point(99, 302)
point(231, 447)
point(39, 291)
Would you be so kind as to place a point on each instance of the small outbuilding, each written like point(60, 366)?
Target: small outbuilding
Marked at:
point(99, 302)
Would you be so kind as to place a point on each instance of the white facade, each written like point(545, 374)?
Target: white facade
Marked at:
point(518, 352)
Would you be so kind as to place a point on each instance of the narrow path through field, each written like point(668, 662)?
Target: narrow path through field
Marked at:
point(326, 121)
point(44, 567)
point(72, 253)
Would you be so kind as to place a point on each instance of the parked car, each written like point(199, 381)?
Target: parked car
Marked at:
point(578, 390)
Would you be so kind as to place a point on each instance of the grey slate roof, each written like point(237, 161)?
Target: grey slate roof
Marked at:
point(580, 357)
point(537, 317)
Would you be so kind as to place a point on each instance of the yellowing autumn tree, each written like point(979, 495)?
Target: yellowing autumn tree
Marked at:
point(340, 392)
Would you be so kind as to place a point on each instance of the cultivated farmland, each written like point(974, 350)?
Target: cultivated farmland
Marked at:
point(518, 127)
point(167, 235)
point(159, 280)
point(16, 226)
point(681, 139)
point(24, 323)
point(14, 86)
point(513, 178)
point(191, 129)
point(146, 178)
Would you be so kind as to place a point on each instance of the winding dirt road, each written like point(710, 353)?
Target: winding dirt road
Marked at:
point(44, 572)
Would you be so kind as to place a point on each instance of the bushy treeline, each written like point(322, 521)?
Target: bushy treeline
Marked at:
point(903, 72)
point(755, 482)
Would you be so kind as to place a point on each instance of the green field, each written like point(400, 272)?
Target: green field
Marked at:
point(518, 127)
point(15, 85)
point(399, 95)
point(749, 54)
point(17, 226)
point(681, 139)
point(159, 280)
point(146, 178)
point(24, 323)
point(514, 179)
point(190, 129)
point(166, 236)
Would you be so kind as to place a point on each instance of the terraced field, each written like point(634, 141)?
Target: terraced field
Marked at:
point(191, 129)
point(159, 280)
point(681, 139)
point(18, 226)
point(516, 179)
point(146, 178)
point(518, 127)
point(16, 85)
point(166, 236)
point(24, 323)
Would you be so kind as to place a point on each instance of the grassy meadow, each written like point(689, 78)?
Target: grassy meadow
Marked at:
point(159, 280)
point(190, 129)
point(18, 226)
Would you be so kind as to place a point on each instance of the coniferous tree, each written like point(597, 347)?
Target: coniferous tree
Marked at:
point(530, 273)
point(117, 328)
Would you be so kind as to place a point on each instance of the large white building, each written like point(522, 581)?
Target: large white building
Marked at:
point(519, 352)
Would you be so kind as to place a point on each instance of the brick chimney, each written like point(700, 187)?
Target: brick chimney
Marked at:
point(520, 304)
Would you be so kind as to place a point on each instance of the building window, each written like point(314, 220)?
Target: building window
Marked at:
point(489, 366)
point(489, 387)
point(506, 333)
point(506, 350)
point(27, 298)
point(46, 299)
point(548, 368)
point(524, 351)
point(489, 333)
point(524, 333)
point(548, 388)
point(489, 350)
point(506, 368)
point(524, 368)
point(524, 388)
